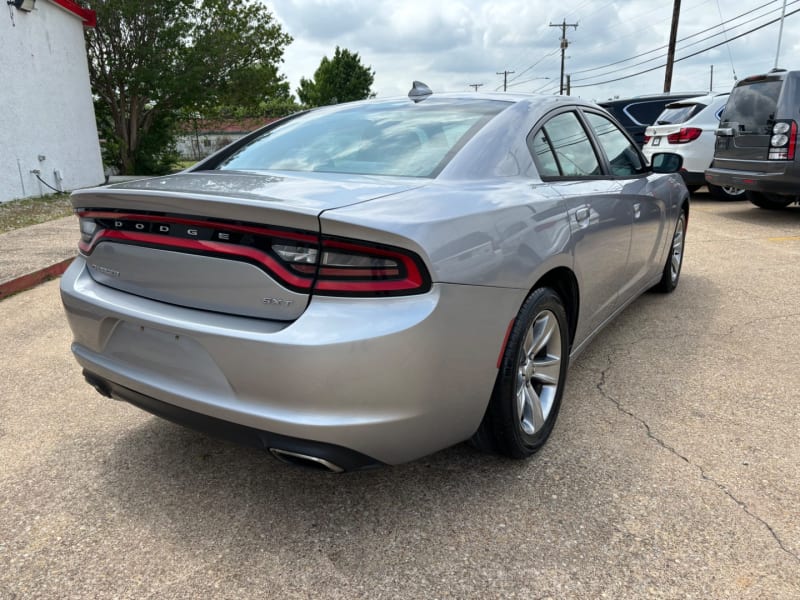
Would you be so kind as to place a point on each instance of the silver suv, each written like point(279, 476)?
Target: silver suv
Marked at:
point(756, 146)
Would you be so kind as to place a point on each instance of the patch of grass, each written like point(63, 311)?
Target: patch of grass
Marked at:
point(30, 211)
point(185, 164)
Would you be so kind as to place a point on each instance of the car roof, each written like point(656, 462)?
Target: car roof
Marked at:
point(707, 99)
point(648, 97)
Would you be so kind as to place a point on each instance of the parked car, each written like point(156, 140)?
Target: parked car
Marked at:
point(757, 140)
point(635, 114)
point(367, 283)
point(688, 127)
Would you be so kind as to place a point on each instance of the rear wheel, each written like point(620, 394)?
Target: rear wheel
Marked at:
point(726, 192)
point(770, 201)
point(527, 394)
point(672, 270)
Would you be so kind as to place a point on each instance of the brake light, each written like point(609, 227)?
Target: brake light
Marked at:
point(646, 138)
point(337, 266)
point(783, 143)
point(685, 135)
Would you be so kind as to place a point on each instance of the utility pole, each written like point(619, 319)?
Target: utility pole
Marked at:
point(711, 84)
point(780, 35)
point(564, 45)
point(505, 75)
point(673, 36)
point(475, 86)
point(568, 86)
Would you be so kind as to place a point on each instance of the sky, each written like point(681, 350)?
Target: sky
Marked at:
point(452, 44)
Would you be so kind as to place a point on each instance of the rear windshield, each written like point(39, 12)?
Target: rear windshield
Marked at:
point(381, 138)
point(751, 107)
point(679, 113)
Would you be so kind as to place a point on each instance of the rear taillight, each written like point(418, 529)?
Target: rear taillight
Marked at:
point(783, 142)
point(335, 267)
point(685, 135)
point(646, 139)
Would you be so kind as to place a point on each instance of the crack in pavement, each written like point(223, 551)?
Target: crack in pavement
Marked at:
point(743, 505)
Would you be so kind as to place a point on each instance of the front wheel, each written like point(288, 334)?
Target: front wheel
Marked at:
point(527, 394)
point(726, 192)
point(672, 269)
point(770, 201)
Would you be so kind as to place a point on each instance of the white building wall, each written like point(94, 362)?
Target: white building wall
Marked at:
point(47, 118)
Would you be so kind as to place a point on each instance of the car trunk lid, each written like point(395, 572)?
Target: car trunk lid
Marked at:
point(217, 241)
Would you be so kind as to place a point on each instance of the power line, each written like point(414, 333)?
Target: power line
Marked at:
point(725, 33)
point(521, 73)
point(684, 47)
point(688, 55)
point(688, 37)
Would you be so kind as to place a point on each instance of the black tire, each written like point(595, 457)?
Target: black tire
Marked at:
point(672, 268)
point(770, 201)
point(512, 426)
point(726, 193)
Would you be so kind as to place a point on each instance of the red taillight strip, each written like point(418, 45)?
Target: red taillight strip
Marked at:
point(410, 276)
point(243, 252)
point(792, 141)
point(291, 235)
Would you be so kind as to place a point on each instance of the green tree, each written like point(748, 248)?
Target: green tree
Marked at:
point(150, 61)
point(340, 79)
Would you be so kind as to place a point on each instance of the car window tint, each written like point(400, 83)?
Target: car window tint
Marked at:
point(571, 145)
point(751, 107)
point(645, 113)
point(678, 113)
point(622, 156)
point(388, 138)
point(543, 156)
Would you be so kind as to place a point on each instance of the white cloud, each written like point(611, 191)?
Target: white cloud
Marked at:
point(452, 44)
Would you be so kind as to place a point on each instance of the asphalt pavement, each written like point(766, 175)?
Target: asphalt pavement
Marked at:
point(671, 473)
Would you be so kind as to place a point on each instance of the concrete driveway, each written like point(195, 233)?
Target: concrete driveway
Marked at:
point(672, 472)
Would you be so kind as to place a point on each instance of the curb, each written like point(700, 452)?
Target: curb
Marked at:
point(26, 282)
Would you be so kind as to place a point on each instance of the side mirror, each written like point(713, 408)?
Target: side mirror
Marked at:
point(666, 162)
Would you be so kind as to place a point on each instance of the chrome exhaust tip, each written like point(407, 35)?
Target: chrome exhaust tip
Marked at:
point(305, 460)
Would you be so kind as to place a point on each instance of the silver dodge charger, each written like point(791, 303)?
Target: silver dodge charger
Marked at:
point(367, 283)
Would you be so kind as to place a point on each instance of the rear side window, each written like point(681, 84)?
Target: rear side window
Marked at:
point(623, 158)
point(645, 113)
point(679, 113)
point(751, 107)
point(562, 142)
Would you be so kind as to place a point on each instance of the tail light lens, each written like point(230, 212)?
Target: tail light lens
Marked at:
point(646, 138)
point(685, 135)
point(783, 142)
point(298, 259)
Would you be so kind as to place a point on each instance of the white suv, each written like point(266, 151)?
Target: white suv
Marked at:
point(688, 127)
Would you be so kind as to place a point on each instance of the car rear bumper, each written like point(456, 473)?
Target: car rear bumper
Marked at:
point(781, 178)
point(390, 379)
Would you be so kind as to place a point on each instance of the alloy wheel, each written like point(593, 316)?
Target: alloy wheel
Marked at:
point(539, 372)
point(677, 249)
